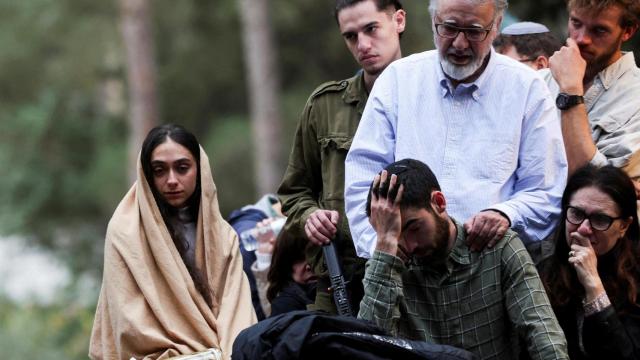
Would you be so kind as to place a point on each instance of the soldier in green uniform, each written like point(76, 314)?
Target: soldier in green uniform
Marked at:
point(312, 191)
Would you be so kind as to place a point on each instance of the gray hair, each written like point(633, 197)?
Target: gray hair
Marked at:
point(500, 6)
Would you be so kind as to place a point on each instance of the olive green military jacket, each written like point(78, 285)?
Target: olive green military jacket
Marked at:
point(314, 178)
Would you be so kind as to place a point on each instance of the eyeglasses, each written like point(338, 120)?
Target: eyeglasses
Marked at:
point(472, 34)
point(600, 222)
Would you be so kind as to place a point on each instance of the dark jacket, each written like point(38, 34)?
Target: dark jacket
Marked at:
point(293, 297)
point(311, 335)
point(613, 333)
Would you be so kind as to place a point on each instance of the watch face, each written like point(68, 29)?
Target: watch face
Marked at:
point(566, 101)
point(561, 101)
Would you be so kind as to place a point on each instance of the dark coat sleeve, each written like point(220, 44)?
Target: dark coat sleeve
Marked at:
point(608, 335)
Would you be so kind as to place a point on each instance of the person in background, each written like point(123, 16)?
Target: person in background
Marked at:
point(261, 266)
point(424, 283)
point(593, 278)
point(292, 284)
point(173, 281)
point(312, 190)
point(528, 42)
point(597, 84)
point(247, 218)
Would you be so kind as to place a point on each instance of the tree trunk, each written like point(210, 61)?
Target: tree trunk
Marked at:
point(141, 74)
point(264, 92)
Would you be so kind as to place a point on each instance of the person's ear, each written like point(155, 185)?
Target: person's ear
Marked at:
point(438, 201)
point(541, 62)
point(628, 32)
point(498, 23)
point(624, 226)
point(399, 18)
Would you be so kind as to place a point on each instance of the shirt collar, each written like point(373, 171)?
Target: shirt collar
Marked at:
point(613, 72)
point(356, 91)
point(475, 88)
point(460, 252)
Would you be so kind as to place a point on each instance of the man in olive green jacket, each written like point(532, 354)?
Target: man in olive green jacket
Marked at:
point(312, 191)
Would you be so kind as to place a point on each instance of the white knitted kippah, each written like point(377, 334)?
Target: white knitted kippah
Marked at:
point(525, 28)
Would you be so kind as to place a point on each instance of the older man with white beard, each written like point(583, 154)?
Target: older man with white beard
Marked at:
point(485, 124)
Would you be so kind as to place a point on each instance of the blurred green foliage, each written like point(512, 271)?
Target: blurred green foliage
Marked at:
point(44, 332)
point(63, 124)
point(63, 120)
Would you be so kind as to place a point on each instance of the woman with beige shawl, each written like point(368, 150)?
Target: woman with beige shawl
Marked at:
point(173, 282)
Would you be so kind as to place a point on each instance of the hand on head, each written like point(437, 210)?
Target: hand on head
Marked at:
point(485, 228)
point(385, 212)
point(321, 226)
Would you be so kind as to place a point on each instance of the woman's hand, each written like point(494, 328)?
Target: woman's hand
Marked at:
point(584, 260)
point(385, 212)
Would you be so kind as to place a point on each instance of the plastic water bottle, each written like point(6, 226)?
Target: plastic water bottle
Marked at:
point(249, 237)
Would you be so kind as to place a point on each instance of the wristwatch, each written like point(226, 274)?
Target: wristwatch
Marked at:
point(565, 101)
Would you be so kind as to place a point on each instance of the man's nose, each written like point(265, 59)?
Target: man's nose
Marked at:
point(364, 43)
point(582, 37)
point(460, 41)
point(409, 245)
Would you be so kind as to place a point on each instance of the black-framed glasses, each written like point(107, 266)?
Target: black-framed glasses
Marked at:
point(475, 34)
point(600, 222)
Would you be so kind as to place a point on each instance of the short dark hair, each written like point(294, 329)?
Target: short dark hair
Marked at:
point(418, 180)
point(529, 45)
point(380, 4)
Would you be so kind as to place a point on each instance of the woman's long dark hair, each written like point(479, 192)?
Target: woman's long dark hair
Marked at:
point(287, 251)
point(621, 282)
point(179, 135)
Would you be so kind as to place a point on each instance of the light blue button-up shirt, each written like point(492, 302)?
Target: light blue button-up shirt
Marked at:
point(495, 143)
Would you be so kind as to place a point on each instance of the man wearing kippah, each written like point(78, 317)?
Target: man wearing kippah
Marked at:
point(528, 42)
point(597, 84)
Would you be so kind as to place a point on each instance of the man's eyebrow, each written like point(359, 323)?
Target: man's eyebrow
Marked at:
point(455, 23)
point(408, 223)
point(352, 31)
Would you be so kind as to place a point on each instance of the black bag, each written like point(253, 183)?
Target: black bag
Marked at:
point(313, 335)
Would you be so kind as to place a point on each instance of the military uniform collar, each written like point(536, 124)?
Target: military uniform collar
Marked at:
point(355, 90)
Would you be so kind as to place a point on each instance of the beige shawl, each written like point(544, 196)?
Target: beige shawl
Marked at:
point(149, 307)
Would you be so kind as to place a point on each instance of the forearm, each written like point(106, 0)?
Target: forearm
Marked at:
point(382, 292)
point(529, 307)
point(576, 134)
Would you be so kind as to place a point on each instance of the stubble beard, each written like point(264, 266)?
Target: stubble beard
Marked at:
point(597, 64)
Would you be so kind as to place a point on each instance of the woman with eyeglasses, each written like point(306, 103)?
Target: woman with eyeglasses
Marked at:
point(593, 277)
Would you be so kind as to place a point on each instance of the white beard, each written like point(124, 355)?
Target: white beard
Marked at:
point(461, 72)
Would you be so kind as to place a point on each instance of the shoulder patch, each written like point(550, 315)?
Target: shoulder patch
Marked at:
point(330, 86)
